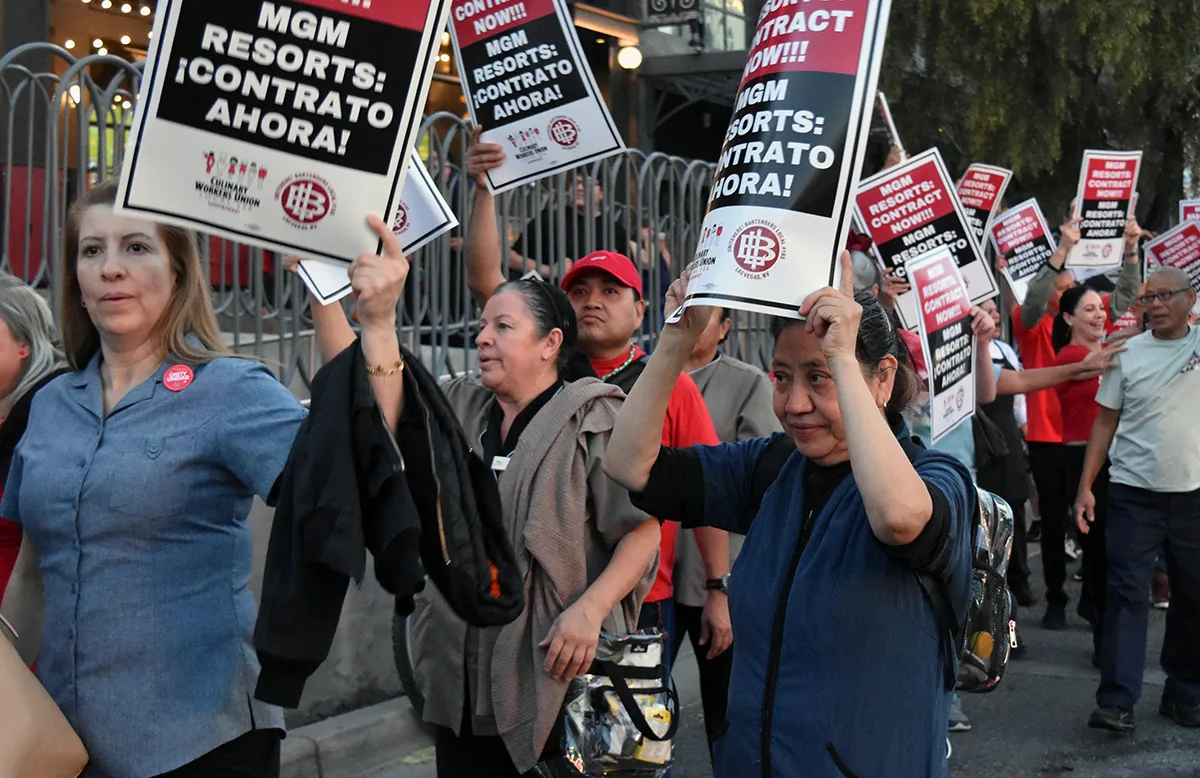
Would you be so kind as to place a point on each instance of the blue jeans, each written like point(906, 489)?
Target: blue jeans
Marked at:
point(1142, 523)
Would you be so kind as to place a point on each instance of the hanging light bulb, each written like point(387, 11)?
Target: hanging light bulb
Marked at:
point(445, 39)
point(126, 8)
point(145, 10)
point(97, 43)
point(103, 52)
point(106, 4)
point(70, 44)
point(126, 40)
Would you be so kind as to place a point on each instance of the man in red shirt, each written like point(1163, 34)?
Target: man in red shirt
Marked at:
point(605, 288)
point(1033, 324)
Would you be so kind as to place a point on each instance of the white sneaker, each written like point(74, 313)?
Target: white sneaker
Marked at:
point(958, 719)
point(1072, 548)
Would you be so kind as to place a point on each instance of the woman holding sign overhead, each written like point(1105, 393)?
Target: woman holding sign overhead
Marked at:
point(134, 482)
point(840, 667)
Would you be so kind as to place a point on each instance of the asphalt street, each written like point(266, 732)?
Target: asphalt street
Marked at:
point(1034, 724)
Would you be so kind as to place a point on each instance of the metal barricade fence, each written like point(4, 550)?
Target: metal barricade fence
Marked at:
point(63, 125)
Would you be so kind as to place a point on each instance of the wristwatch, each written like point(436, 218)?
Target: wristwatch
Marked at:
point(718, 584)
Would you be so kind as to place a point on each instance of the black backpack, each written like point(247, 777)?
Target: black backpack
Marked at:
point(983, 641)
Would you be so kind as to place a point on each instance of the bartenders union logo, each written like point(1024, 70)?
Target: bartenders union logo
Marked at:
point(306, 199)
point(401, 223)
point(564, 132)
point(756, 246)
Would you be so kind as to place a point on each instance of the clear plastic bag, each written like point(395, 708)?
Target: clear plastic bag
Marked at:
point(620, 718)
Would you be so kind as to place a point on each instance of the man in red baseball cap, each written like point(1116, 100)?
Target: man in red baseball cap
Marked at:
point(605, 288)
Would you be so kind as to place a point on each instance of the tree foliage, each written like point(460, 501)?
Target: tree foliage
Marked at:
point(1031, 84)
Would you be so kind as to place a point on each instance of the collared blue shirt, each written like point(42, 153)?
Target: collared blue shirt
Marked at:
point(140, 524)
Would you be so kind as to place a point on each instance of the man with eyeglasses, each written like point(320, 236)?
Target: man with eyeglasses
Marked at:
point(1153, 394)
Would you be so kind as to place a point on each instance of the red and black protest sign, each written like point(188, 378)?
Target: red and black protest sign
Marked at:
point(529, 86)
point(912, 209)
point(981, 191)
point(1179, 247)
point(947, 339)
point(778, 210)
point(1022, 237)
point(1107, 183)
point(1189, 210)
point(280, 124)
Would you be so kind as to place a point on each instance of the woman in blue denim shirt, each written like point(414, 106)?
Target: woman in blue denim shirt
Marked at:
point(134, 483)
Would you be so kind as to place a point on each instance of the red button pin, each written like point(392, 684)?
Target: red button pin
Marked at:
point(178, 378)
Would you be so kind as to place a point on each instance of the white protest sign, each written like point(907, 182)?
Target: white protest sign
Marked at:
point(912, 209)
point(422, 216)
point(947, 339)
point(529, 85)
point(1022, 236)
point(1189, 210)
point(1107, 182)
point(280, 125)
point(778, 214)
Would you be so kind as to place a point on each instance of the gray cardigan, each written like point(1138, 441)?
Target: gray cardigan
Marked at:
point(563, 537)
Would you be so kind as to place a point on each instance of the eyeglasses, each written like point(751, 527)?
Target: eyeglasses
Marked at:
point(1162, 297)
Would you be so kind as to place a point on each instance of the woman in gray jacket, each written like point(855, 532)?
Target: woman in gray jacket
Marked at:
point(586, 555)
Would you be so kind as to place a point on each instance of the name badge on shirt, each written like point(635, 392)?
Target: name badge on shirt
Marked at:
point(500, 464)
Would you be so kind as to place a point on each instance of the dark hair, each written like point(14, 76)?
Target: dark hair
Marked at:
point(1060, 335)
point(878, 337)
point(550, 309)
point(1100, 284)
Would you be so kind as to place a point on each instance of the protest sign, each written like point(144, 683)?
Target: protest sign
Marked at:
point(910, 210)
point(946, 338)
point(1107, 181)
point(980, 192)
point(661, 13)
point(1179, 247)
point(1023, 238)
point(422, 216)
point(280, 125)
point(530, 87)
point(778, 210)
point(1189, 210)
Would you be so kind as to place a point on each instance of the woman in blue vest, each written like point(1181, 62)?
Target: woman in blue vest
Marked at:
point(840, 667)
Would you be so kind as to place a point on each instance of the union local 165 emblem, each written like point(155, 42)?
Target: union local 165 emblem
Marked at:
point(756, 246)
point(564, 132)
point(306, 199)
point(401, 223)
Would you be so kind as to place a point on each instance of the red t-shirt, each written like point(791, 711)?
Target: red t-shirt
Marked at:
point(10, 547)
point(1077, 399)
point(687, 424)
point(1037, 351)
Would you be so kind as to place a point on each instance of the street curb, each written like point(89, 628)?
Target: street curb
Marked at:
point(354, 743)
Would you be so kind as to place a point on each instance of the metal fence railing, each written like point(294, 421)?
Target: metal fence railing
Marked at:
point(63, 125)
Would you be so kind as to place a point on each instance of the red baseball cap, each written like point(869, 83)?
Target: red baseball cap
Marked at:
point(616, 265)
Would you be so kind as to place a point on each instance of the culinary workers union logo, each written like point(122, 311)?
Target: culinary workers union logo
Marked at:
point(306, 199)
point(756, 246)
point(564, 132)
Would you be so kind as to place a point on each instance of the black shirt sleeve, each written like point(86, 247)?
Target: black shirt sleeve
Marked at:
point(675, 489)
point(922, 554)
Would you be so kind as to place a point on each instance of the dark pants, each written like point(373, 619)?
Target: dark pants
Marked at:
point(660, 615)
point(1018, 560)
point(253, 755)
point(1049, 466)
point(479, 756)
point(1095, 554)
point(1141, 523)
point(714, 673)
